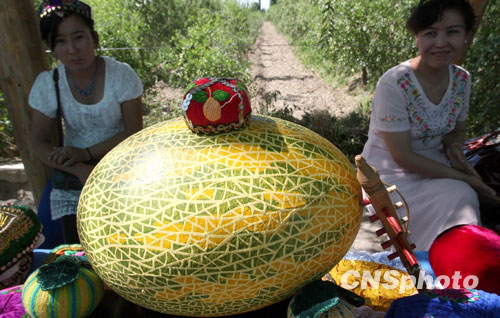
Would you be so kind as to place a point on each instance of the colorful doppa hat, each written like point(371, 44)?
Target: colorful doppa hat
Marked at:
point(20, 230)
point(215, 105)
point(49, 6)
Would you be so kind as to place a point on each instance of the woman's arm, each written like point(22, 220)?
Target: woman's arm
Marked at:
point(132, 122)
point(43, 132)
point(71, 159)
point(456, 136)
point(452, 146)
point(399, 146)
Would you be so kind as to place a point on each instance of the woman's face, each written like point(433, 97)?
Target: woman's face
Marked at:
point(74, 44)
point(439, 44)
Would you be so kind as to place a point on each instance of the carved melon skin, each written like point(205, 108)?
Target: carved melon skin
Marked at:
point(218, 225)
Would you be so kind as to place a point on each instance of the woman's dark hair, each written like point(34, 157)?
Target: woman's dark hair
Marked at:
point(50, 23)
point(427, 12)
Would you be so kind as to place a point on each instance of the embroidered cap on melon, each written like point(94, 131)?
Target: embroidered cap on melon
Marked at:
point(214, 105)
point(197, 225)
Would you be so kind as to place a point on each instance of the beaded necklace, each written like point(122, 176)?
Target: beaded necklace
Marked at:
point(89, 89)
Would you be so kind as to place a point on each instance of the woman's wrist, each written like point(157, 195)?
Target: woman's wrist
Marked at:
point(452, 145)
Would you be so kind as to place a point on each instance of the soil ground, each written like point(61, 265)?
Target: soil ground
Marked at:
point(279, 79)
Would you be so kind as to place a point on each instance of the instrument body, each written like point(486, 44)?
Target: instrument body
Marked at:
point(396, 230)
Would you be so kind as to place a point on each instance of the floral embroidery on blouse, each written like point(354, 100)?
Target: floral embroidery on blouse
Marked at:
point(429, 122)
point(391, 118)
point(462, 295)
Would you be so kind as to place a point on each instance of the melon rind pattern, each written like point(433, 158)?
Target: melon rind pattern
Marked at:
point(218, 225)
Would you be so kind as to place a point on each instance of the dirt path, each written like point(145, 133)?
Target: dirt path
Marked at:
point(279, 77)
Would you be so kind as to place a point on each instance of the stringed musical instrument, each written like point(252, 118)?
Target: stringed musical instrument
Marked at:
point(385, 212)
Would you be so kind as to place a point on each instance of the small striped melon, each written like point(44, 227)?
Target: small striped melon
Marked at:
point(74, 300)
point(206, 226)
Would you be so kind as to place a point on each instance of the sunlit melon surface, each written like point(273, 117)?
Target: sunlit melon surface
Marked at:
point(217, 225)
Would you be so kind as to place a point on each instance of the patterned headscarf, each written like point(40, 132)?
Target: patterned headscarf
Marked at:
point(49, 6)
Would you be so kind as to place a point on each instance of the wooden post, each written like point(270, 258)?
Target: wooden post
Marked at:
point(479, 8)
point(21, 59)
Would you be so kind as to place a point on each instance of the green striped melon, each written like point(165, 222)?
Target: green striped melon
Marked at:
point(74, 300)
point(216, 225)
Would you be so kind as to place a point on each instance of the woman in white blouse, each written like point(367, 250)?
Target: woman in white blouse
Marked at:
point(100, 102)
point(417, 125)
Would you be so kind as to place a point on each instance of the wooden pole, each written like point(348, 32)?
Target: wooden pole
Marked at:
point(479, 8)
point(21, 60)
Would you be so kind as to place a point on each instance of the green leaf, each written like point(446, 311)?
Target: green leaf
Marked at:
point(220, 95)
point(61, 272)
point(190, 87)
point(241, 86)
point(200, 96)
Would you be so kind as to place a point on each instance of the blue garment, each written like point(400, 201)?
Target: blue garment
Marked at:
point(441, 303)
point(52, 230)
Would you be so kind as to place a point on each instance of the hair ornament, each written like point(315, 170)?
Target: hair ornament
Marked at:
point(48, 7)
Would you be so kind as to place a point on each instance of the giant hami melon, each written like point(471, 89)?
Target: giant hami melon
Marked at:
point(205, 226)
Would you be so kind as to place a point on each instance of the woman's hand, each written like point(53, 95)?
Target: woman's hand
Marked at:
point(477, 183)
point(83, 172)
point(459, 161)
point(68, 156)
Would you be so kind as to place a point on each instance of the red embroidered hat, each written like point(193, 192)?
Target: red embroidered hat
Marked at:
point(215, 105)
point(477, 253)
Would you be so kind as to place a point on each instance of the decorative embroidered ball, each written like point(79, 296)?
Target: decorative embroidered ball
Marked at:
point(214, 105)
point(215, 225)
point(63, 288)
point(353, 274)
point(20, 229)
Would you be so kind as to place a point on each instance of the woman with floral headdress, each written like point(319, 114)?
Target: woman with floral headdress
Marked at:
point(417, 125)
point(99, 98)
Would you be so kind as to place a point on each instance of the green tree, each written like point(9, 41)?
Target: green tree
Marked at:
point(483, 62)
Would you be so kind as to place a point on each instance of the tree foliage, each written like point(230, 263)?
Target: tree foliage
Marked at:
point(175, 41)
point(178, 40)
point(483, 62)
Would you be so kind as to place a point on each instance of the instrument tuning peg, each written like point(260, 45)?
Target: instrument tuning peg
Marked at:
point(373, 218)
point(398, 205)
point(381, 232)
point(391, 189)
point(392, 256)
point(404, 219)
point(364, 202)
point(386, 244)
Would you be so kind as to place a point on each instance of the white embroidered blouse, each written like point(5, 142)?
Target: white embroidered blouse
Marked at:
point(87, 125)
